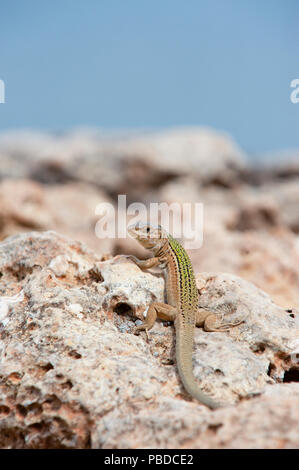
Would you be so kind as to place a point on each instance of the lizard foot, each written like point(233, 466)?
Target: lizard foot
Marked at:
point(139, 328)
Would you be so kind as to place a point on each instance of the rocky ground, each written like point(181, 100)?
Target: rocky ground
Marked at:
point(72, 374)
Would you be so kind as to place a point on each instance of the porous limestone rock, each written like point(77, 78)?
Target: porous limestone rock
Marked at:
point(73, 374)
point(266, 422)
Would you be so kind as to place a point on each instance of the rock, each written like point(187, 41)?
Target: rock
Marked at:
point(268, 329)
point(286, 196)
point(72, 374)
point(207, 153)
point(69, 208)
point(269, 422)
point(245, 233)
point(269, 259)
point(21, 207)
point(129, 165)
point(279, 165)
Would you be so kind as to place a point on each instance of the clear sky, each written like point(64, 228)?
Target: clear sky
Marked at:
point(153, 64)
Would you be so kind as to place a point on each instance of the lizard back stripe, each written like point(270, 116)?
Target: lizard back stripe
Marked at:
point(187, 283)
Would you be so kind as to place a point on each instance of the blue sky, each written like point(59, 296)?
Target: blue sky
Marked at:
point(112, 64)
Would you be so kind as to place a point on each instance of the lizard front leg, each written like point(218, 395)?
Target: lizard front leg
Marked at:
point(157, 309)
point(143, 264)
point(210, 322)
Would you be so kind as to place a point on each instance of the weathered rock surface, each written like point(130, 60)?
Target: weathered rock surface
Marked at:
point(130, 165)
point(286, 197)
point(246, 232)
point(250, 228)
point(73, 374)
point(68, 208)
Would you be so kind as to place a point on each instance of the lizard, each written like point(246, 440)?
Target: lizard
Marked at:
point(182, 300)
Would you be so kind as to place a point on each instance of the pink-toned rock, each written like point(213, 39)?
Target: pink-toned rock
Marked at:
point(72, 374)
point(244, 233)
point(69, 208)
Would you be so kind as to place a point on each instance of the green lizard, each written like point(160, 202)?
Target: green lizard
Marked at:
point(182, 298)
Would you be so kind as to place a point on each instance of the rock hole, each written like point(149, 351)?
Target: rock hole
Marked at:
point(260, 348)
point(4, 411)
point(35, 409)
point(95, 276)
point(271, 369)
point(47, 367)
point(291, 375)
point(20, 272)
point(290, 312)
point(21, 411)
point(74, 354)
point(32, 392)
point(214, 427)
point(122, 308)
point(67, 385)
point(53, 402)
point(36, 427)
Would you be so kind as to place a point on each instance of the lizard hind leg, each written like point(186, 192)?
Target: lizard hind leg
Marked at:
point(211, 323)
point(156, 309)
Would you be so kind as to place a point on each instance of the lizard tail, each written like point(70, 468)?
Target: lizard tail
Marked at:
point(184, 348)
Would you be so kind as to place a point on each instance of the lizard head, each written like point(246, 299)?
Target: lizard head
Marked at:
point(149, 236)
